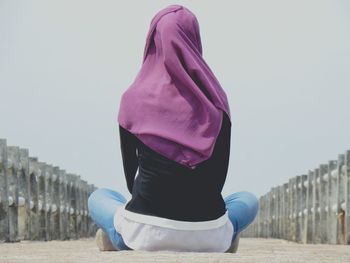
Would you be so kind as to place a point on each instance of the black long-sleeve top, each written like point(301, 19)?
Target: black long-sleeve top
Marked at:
point(167, 189)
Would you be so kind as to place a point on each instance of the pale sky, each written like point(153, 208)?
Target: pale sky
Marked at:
point(285, 66)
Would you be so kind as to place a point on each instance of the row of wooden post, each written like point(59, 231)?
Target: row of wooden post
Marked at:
point(39, 201)
point(310, 208)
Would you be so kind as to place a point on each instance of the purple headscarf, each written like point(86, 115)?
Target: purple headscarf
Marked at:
point(175, 105)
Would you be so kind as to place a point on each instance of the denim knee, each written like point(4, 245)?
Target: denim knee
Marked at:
point(92, 197)
point(249, 198)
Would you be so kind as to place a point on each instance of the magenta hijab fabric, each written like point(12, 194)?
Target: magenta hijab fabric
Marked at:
point(175, 105)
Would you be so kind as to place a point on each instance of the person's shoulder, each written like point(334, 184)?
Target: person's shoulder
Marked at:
point(126, 133)
point(121, 128)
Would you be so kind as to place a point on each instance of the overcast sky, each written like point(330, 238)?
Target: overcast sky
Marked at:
point(285, 66)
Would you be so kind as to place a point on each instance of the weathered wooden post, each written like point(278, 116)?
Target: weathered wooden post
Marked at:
point(55, 204)
point(84, 208)
point(340, 207)
point(265, 216)
point(333, 202)
point(42, 203)
point(261, 216)
point(68, 206)
point(310, 186)
point(293, 208)
point(286, 220)
point(278, 201)
point(256, 226)
point(63, 200)
point(281, 203)
point(34, 214)
point(303, 184)
point(4, 204)
point(259, 234)
point(75, 205)
point(299, 201)
point(79, 204)
point(347, 201)
point(90, 221)
point(272, 221)
point(269, 214)
point(324, 193)
point(12, 175)
point(24, 195)
point(277, 211)
point(48, 206)
point(316, 229)
point(281, 211)
point(72, 206)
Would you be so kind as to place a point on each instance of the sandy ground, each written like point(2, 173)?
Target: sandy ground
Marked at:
point(250, 251)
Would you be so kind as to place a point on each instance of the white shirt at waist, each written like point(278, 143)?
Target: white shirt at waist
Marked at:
point(151, 233)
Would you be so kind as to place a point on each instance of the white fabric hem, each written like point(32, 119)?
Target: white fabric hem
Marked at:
point(147, 235)
point(170, 223)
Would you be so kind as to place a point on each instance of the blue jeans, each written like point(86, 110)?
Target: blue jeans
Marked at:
point(242, 208)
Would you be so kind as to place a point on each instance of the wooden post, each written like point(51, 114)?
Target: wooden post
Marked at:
point(347, 201)
point(324, 193)
point(279, 204)
point(55, 204)
point(63, 211)
point(303, 185)
point(84, 209)
point(299, 201)
point(292, 209)
point(4, 204)
point(12, 174)
point(68, 206)
point(261, 216)
point(256, 226)
point(310, 187)
point(286, 220)
point(265, 216)
point(332, 202)
point(72, 207)
point(79, 206)
point(270, 213)
point(340, 213)
point(34, 217)
point(48, 181)
point(282, 210)
point(316, 229)
point(42, 203)
point(279, 201)
point(24, 195)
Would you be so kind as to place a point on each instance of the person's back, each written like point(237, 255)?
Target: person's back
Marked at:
point(167, 189)
point(164, 189)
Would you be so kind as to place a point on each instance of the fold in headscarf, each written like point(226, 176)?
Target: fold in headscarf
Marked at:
point(175, 105)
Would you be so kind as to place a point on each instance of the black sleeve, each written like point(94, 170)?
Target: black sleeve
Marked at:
point(225, 144)
point(219, 163)
point(128, 145)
